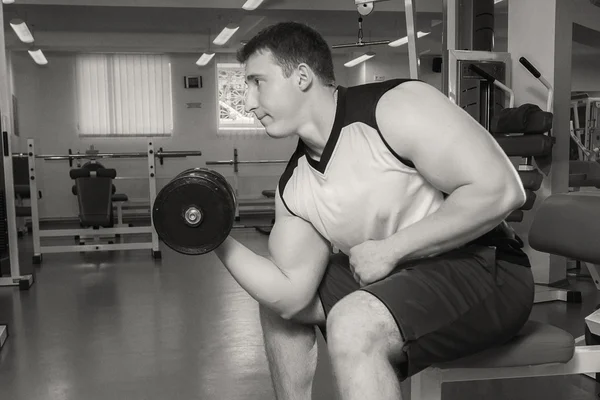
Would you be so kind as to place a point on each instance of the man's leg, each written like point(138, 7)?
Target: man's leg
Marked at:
point(431, 311)
point(364, 359)
point(291, 349)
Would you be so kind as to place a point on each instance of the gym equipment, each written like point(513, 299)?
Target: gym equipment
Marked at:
point(561, 227)
point(93, 188)
point(150, 155)
point(587, 108)
point(3, 335)
point(16, 278)
point(584, 169)
point(247, 203)
point(194, 213)
point(22, 194)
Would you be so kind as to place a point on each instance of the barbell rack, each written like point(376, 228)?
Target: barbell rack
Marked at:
point(151, 155)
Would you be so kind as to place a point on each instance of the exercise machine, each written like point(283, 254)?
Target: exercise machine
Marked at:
point(9, 221)
point(151, 155)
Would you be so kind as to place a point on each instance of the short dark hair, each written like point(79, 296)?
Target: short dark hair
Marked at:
point(291, 44)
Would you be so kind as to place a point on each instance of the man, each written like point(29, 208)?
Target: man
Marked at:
point(412, 191)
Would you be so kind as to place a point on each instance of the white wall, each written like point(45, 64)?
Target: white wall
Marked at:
point(391, 66)
point(47, 114)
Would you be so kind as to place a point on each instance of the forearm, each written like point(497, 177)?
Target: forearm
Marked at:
point(258, 276)
point(464, 216)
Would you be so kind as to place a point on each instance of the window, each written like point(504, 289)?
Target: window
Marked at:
point(124, 95)
point(232, 93)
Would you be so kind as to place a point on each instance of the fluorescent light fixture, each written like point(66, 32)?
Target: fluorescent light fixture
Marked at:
point(225, 34)
point(22, 31)
point(498, 1)
point(204, 59)
point(38, 56)
point(8, 1)
point(360, 59)
point(250, 5)
point(404, 40)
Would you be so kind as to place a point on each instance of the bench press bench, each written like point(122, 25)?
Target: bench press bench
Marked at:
point(565, 225)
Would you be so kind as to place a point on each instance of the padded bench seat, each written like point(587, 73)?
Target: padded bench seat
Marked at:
point(536, 344)
point(269, 193)
point(119, 197)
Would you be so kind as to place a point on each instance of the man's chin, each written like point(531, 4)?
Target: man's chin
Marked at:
point(272, 131)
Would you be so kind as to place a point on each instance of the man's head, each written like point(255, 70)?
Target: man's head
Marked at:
point(283, 63)
point(291, 44)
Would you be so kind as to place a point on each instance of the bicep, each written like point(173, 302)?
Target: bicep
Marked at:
point(298, 250)
point(446, 145)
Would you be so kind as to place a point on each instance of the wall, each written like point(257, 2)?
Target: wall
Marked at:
point(46, 114)
point(389, 66)
point(385, 66)
point(586, 73)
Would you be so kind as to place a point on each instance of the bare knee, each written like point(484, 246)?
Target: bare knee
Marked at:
point(360, 325)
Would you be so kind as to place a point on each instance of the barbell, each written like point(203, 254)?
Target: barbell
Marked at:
point(194, 213)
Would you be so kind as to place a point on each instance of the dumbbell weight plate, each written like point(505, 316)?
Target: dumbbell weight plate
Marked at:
point(215, 175)
point(194, 213)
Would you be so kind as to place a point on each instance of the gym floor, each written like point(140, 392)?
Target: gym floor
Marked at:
point(122, 326)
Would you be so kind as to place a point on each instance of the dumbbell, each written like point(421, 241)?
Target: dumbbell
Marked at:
point(194, 213)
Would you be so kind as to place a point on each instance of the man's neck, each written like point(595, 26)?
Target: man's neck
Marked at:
point(320, 117)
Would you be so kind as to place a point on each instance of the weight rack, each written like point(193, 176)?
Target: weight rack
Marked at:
point(153, 244)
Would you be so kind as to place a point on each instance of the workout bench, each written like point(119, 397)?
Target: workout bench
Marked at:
point(562, 226)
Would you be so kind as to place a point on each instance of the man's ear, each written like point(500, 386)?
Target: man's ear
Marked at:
point(305, 76)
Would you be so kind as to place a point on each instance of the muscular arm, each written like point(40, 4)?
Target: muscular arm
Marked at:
point(286, 281)
point(457, 156)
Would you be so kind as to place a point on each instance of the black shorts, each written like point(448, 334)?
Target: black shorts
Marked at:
point(446, 307)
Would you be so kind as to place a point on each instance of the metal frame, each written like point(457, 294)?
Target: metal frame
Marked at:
point(3, 335)
point(592, 113)
point(449, 40)
point(16, 277)
point(410, 9)
point(39, 250)
point(454, 56)
point(545, 294)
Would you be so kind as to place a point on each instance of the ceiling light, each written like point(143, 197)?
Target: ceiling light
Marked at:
point(22, 31)
point(252, 4)
point(38, 56)
point(204, 59)
point(498, 1)
point(404, 40)
point(225, 34)
point(360, 59)
point(8, 1)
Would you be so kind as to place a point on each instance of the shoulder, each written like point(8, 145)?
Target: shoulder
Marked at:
point(408, 111)
point(410, 95)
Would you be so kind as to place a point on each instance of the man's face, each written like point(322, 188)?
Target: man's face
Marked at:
point(272, 97)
